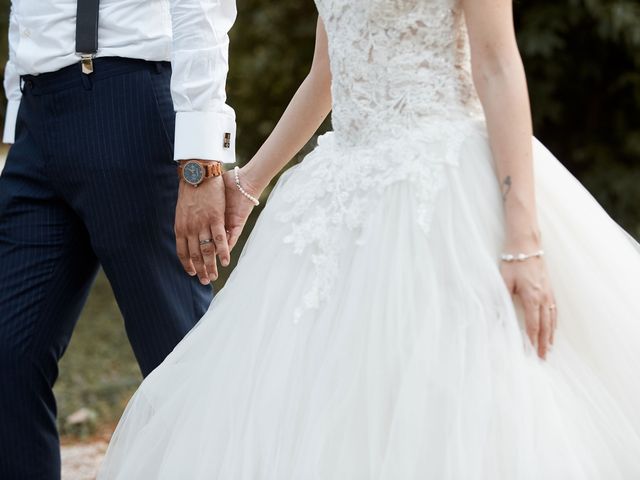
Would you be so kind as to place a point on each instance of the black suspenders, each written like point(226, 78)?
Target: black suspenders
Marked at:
point(87, 32)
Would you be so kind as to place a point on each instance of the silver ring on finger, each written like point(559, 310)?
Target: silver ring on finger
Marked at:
point(206, 241)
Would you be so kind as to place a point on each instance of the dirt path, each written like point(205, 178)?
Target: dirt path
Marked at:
point(80, 462)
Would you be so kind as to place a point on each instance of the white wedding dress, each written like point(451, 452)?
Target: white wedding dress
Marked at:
point(367, 333)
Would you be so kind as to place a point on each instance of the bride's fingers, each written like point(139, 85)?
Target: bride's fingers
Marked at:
point(532, 320)
point(234, 235)
point(545, 331)
point(554, 323)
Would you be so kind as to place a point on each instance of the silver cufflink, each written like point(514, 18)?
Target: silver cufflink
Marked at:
point(227, 140)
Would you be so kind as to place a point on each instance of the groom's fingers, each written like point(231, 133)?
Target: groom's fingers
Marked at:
point(196, 258)
point(207, 248)
point(182, 248)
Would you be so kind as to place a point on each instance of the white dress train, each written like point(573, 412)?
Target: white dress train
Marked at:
point(366, 332)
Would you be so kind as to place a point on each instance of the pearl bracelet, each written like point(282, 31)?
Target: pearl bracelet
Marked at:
point(236, 172)
point(520, 257)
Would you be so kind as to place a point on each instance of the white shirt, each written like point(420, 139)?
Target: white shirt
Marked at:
point(192, 34)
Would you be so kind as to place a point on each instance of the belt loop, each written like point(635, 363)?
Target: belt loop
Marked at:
point(158, 67)
point(25, 83)
point(87, 82)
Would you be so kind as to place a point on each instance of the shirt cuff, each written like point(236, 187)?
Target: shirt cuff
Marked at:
point(205, 136)
point(10, 119)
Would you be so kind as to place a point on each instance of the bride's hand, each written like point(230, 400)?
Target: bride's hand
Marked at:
point(529, 282)
point(238, 207)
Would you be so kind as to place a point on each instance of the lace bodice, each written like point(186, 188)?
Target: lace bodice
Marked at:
point(396, 64)
point(403, 104)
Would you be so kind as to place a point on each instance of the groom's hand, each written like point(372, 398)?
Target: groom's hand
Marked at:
point(200, 228)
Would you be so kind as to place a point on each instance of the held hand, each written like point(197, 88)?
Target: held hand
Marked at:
point(528, 280)
point(239, 207)
point(199, 228)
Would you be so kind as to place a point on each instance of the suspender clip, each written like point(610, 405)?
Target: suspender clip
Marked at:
point(86, 60)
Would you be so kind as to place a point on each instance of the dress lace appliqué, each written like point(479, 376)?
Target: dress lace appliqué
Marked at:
point(403, 100)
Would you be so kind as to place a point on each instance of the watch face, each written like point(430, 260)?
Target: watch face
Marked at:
point(193, 173)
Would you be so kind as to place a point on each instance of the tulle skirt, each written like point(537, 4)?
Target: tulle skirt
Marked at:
point(367, 333)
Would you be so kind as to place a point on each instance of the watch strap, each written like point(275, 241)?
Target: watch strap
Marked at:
point(211, 169)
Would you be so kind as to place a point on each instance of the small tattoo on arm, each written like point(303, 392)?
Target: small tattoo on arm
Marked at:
point(506, 187)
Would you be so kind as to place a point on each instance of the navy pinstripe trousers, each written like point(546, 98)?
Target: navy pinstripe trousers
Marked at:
point(90, 180)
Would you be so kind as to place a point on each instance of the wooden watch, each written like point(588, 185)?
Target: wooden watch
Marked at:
point(194, 172)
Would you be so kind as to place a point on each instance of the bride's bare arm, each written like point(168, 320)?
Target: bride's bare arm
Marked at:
point(307, 110)
point(501, 84)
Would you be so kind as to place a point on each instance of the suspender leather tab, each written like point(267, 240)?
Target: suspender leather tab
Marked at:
point(87, 33)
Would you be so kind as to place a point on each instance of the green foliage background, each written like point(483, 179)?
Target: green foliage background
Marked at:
point(583, 63)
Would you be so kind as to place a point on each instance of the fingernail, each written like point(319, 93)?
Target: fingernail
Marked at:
point(193, 274)
point(205, 281)
point(225, 262)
